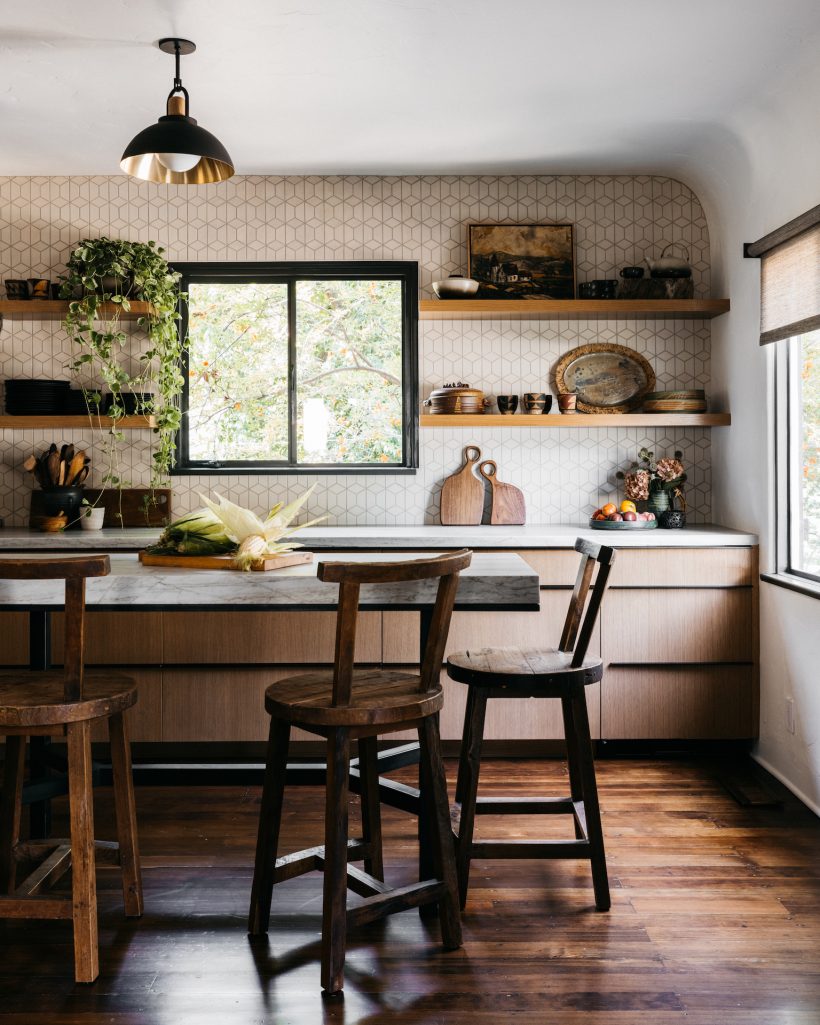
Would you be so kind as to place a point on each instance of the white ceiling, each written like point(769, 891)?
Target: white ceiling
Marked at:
point(394, 86)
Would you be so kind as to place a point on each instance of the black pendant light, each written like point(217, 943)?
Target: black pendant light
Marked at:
point(176, 150)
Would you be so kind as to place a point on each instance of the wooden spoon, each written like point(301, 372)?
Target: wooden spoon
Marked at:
point(77, 463)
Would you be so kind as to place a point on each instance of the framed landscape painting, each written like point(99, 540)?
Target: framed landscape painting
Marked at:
point(522, 261)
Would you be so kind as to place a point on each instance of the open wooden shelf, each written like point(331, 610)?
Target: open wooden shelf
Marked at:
point(82, 422)
point(571, 309)
point(577, 420)
point(56, 309)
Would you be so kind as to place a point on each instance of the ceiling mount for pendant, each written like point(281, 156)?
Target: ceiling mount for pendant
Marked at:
point(176, 150)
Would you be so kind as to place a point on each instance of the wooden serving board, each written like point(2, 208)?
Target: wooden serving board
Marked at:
point(462, 494)
point(225, 561)
point(508, 501)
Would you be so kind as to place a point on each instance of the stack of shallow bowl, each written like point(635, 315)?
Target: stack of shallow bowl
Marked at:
point(460, 399)
point(36, 398)
point(692, 400)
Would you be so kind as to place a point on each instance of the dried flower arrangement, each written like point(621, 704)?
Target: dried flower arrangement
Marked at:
point(649, 478)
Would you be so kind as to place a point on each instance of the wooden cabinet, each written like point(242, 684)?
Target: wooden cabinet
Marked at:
point(677, 632)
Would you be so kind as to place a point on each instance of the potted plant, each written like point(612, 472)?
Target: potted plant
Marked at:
point(103, 276)
point(658, 484)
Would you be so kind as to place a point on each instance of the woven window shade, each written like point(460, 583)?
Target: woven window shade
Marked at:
point(790, 288)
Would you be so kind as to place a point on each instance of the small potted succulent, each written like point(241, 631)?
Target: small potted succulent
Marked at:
point(659, 484)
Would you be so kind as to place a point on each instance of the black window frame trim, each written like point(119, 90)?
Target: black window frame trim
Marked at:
point(288, 272)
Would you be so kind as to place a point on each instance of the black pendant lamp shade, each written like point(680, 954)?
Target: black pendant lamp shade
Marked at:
point(176, 151)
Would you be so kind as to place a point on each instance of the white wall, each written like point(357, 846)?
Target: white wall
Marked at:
point(761, 171)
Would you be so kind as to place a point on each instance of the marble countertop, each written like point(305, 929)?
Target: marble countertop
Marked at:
point(500, 580)
point(405, 537)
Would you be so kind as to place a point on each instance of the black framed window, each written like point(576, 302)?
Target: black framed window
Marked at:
point(293, 367)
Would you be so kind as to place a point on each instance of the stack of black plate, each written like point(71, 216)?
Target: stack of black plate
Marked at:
point(36, 398)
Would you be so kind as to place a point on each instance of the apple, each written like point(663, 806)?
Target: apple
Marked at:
point(650, 516)
point(599, 516)
point(630, 516)
point(615, 517)
point(596, 514)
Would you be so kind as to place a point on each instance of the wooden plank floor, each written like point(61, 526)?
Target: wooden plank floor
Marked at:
point(715, 919)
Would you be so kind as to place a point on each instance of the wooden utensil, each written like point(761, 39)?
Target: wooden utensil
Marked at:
point(53, 465)
point(76, 464)
point(507, 500)
point(462, 494)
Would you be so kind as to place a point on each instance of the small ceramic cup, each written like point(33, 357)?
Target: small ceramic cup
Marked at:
point(39, 288)
point(534, 402)
point(16, 289)
point(92, 518)
point(566, 403)
point(507, 404)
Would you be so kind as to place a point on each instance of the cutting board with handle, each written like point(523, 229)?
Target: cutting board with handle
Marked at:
point(507, 500)
point(462, 494)
point(225, 561)
point(133, 507)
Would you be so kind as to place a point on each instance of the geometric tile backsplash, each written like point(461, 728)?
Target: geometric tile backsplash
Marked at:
point(564, 473)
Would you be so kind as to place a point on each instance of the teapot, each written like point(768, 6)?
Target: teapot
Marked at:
point(670, 266)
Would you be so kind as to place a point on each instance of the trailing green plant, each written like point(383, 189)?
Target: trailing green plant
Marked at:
point(103, 277)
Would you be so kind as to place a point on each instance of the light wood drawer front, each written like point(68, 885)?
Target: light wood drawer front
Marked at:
point(484, 629)
point(220, 704)
point(217, 704)
point(678, 703)
point(683, 567)
point(697, 625)
point(555, 568)
point(115, 638)
point(144, 720)
point(246, 637)
point(14, 639)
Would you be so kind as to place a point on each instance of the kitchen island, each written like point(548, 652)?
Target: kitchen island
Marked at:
point(678, 633)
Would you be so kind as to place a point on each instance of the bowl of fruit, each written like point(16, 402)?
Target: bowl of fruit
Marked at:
point(627, 517)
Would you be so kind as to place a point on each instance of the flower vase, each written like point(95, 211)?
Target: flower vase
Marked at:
point(658, 502)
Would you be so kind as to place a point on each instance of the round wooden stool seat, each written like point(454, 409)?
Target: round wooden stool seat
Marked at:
point(379, 698)
point(513, 668)
point(36, 699)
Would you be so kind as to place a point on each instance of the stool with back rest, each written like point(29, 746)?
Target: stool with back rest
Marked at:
point(559, 673)
point(344, 705)
point(66, 704)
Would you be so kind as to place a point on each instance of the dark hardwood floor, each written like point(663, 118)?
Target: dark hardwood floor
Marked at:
point(715, 918)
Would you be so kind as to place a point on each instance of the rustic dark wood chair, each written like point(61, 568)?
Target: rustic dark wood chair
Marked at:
point(343, 705)
point(65, 704)
point(561, 673)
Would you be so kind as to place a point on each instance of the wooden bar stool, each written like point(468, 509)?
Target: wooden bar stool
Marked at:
point(66, 704)
point(343, 705)
point(561, 673)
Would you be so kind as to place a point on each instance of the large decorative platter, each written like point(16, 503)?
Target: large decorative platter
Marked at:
point(623, 525)
point(605, 378)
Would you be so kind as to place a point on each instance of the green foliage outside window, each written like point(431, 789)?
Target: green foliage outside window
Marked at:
point(347, 380)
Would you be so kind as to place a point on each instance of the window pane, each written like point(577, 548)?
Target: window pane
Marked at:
point(807, 505)
point(238, 367)
point(349, 371)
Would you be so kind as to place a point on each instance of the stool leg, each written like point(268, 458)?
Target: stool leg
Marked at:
point(11, 803)
point(444, 848)
point(270, 819)
point(371, 806)
point(575, 787)
point(126, 812)
point(465, 743)
point(334, 904)
point(469, 765)
point(586, 766)
point(83, 887)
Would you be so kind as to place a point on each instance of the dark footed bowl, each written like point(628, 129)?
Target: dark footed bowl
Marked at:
point(673, 519)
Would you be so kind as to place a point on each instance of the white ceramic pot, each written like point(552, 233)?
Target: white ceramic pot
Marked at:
point(92, 519)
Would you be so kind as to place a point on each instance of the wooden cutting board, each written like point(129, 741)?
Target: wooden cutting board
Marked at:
point(462, 494)
point(507, 500)
point(136, 505)
point(225, 561)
